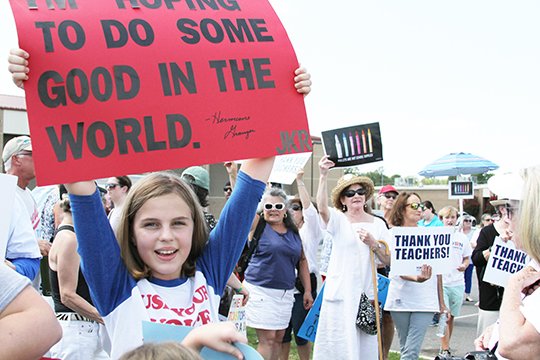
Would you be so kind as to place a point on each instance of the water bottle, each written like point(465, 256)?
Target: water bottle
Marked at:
point(441, 329)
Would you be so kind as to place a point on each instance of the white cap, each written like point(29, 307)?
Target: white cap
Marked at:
point(506, 186)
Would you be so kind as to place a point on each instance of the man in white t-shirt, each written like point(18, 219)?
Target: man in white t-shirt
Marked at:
point(22, 251)
point(18, 161)
point(454, 282)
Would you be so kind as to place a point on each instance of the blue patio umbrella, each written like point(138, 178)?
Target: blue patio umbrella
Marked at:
point(456, 164)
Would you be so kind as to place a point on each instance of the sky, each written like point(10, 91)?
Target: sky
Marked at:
point(439, 76)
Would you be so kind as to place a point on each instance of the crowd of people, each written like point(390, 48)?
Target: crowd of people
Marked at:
point(150, 251)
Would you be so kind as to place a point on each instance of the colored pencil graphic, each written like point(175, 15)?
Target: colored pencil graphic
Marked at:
point(364, 142)
point(370, 143)
point(352, 143)
point(358, 147)
point(338, 147)
point(345, 147)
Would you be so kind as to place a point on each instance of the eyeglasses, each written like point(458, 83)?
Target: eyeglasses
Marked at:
point(277, 206)
point(351, 193)
point(467, 220)
point(390, 196)
point(24, 153)
point(227, 189)
point(416, 206)
point(511, 210)
point(111, 186)
point(296, 207)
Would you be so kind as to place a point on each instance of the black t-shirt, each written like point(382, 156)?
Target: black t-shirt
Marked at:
point(490, 295)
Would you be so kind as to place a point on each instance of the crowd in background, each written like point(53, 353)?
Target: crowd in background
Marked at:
point(113, 257)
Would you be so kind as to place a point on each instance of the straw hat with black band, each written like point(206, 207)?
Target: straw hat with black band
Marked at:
point(347, 180)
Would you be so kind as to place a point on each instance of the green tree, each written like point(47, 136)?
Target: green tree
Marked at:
point(480, 178)
point(483, 178)
point(435, 181)
point(375, 176)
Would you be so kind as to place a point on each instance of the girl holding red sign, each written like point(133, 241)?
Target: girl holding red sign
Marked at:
point(165, 267)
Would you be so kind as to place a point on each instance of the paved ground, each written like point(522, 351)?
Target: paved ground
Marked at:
point(463, 335)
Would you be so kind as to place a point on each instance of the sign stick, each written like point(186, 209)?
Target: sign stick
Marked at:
point(376, 299)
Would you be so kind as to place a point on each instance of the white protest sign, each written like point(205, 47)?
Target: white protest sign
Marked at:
point(504, 260)
point(7, 196)
point(415, 246)
point(237, 314)
point(287, 166)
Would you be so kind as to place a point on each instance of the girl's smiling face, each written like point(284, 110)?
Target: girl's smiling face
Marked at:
point(163, 232)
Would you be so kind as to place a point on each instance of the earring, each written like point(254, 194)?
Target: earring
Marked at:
point(344, 208)
point(285, 216)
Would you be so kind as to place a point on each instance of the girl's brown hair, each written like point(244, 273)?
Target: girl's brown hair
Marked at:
point(152, 186)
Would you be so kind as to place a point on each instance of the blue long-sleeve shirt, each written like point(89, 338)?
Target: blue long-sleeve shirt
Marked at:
point(125, 302)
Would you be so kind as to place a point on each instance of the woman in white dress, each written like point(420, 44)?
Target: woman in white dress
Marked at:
point(355, 231)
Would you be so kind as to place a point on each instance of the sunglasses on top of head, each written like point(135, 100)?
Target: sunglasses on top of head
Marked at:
point(416, 206)
point(277, 206)
point(351, 193)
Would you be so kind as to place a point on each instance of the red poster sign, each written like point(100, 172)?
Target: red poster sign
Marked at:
point(128, 86)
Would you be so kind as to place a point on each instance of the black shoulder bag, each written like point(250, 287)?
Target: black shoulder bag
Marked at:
point(251, 246)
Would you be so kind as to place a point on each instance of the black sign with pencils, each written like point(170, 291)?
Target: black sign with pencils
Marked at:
point(460, 190)
point(354, 145)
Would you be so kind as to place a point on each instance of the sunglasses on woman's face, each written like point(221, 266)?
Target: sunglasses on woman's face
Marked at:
point(277, 206)
point(351, 193)
point(296, 207)
point(416, 206)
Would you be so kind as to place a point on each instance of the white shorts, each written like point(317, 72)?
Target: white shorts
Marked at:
point(268, 309)
point(80, 340)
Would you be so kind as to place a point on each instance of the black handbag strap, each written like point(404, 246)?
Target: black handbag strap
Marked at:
point(492, 351)
point(254, 242)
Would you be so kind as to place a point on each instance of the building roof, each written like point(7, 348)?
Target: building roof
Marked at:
point(12, 102)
